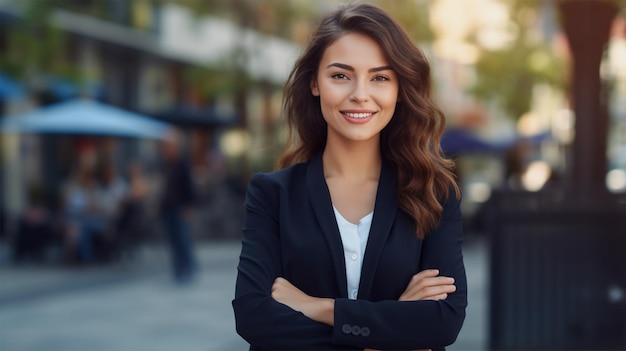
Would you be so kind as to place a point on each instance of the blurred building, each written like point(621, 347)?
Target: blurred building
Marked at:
point(217, 81)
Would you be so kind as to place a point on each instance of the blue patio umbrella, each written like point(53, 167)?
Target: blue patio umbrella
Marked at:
point(10, 89)
point(85, 117)
point(457, 141)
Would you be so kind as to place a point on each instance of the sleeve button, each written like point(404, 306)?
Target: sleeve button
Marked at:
point(346, 329)
point(365, 331)
point(356, 330)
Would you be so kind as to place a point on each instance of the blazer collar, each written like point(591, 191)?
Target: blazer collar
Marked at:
point(385, 210)
point(323, 209)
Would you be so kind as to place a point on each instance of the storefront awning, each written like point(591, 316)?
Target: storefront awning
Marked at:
point(85, 117)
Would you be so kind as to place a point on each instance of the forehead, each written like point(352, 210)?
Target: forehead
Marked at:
point(354, 49)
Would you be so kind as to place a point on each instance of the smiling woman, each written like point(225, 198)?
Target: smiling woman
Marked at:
point(355, 242)
point(356, 86)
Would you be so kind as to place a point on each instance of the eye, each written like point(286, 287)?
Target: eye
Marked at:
point(380, 78)
point(339, 76)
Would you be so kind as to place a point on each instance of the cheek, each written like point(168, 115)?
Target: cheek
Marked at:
point(332, 95)
point(385, 96)
point(326, 106)
point(334, 90)
point(389, 107)
point(392, 97)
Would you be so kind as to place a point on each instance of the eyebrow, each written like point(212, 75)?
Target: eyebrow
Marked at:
point(350, 68)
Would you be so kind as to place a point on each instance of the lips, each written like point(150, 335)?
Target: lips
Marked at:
point(358, 116)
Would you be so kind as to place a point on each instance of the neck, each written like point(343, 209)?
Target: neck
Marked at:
point(360, 160)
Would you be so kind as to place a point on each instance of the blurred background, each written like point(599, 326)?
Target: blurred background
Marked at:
point(535, 97)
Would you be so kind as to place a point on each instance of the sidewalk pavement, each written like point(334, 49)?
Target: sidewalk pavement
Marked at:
point(135, 305)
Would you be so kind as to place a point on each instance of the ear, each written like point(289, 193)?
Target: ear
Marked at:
point(314, 88)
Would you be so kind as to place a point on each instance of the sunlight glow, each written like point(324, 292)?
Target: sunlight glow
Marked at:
point(616, 180)
point(234, 143)
point(536, 175)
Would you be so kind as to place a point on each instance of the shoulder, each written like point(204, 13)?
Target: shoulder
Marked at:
point(281, 177)
point(269, 185)
point(451, 203)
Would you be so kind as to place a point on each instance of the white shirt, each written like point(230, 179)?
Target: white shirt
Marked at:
point(354, 240)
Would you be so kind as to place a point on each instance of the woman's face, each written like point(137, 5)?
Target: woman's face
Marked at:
point(357, 88)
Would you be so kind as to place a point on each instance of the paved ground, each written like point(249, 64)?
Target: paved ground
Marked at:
point(135, 306)
point(473, 336)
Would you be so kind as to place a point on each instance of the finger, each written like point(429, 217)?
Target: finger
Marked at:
point(429, 273)
point(425, 274)
point(436, 297)
point(280, 280)
point(435, 281)
point(421, 295)
point(279, 283)
point(424, 292)
point(436, 290)
point(425, 277)
point(428, 282)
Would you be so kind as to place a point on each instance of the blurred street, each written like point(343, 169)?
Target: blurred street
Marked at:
point(128, 118)
point(135, 306)
point(131, 306)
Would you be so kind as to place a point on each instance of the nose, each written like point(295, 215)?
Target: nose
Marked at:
point(360, 92)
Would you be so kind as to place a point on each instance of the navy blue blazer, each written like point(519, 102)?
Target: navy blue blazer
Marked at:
point(290, 231)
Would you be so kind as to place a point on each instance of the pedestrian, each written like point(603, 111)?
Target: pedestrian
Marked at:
point(177, 202)
point(113, 190)
point(84, 213)
point(355, 242)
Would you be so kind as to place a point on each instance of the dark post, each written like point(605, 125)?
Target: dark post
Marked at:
point(557, 256)
point(587, 24)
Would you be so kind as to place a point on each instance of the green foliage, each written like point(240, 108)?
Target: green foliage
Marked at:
point(274, 17)
point(507, 76)
point(216, 80)
point(34, 46)
point(413, 15)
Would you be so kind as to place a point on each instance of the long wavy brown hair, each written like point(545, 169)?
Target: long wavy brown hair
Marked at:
point(410, 142)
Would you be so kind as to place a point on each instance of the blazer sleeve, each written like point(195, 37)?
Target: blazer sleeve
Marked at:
point(261, 320)
point(408, 325)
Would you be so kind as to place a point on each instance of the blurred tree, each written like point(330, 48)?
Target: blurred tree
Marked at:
point(274, 17)
point(413, 15)
point(289, 20)
point(30, 60)
point(284, 19)
point(507, 75)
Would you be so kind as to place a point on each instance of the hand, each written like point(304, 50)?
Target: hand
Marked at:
point(428, 285)
point(318, 309)
point(286, 293)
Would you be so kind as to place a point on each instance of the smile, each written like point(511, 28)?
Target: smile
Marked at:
point(360, 115)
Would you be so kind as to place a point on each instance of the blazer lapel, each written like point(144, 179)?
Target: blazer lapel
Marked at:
point(385, 210)
point(319, 196)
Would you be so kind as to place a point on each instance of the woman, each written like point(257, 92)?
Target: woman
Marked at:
point(355, 243)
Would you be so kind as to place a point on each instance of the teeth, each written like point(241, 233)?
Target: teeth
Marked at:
point(358, 115)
